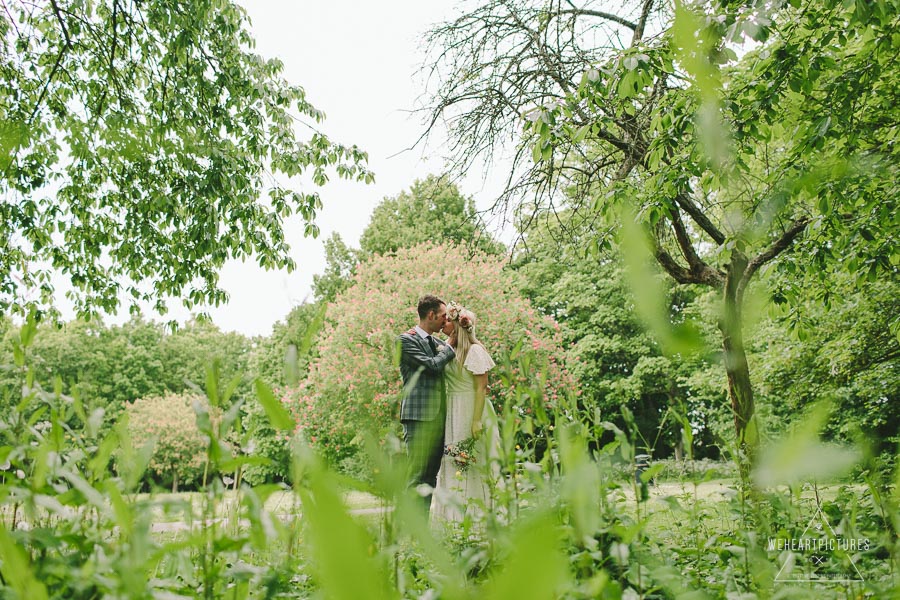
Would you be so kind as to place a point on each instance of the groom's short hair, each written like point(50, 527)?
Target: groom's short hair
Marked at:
point(428, 303)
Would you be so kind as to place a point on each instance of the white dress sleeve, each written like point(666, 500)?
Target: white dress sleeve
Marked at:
point(478, 361)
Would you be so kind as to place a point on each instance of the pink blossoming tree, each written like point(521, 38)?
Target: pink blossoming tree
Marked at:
point(354, 384)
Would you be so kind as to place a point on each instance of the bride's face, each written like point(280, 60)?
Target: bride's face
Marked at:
point(448, 328)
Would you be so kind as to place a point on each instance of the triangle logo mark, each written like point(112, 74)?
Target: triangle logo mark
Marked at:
point(818, 555)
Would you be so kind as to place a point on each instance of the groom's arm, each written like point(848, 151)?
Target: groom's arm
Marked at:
point(414, 355)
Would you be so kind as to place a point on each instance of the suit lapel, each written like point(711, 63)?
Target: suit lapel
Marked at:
point(423, 343)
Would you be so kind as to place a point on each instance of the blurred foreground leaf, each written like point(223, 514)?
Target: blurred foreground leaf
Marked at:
point(276, 412)
point(536, 568)
point(802, 456)
point(345, 555)
point(14, 566)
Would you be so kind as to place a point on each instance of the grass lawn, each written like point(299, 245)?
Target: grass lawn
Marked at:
point(284, 503)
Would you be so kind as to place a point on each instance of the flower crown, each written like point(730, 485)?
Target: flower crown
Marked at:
point(460, 314)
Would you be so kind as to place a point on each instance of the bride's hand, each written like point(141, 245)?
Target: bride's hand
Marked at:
point(476, 428)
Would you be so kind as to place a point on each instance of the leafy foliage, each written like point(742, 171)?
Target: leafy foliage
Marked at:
point(280, 360)
point(615, 359)
point(433, 210)
point(109, 366)
point(572, 526)
point(844, 353)
point(712, 166)
point(136, 141)
point(273, 360)
point(340, 264)
point(167, 423)
point(790, 147)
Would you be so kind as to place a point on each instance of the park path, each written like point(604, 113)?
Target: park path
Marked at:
point(714, 490)
point(708, 490)
point(179, 526)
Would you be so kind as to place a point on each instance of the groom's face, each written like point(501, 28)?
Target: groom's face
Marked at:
point(438, 318)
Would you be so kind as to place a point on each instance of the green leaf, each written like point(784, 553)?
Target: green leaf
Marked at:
point(121, 508)
point(341, 546)
point(90, 493)
point(16, 570)
point(18, 354)
point(99, 462)
point(230, 388)
point(800, 456)
point(29, 329)
point(547, 152)
point(581, 133)
point(312, 331)
point(212, 383)
point(652, 472)
point(232, 464)
point(231, 416)
point(536, 567)
point(673, 503)
point(275, 410)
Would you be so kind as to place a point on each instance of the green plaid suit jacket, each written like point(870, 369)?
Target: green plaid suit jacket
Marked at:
point(422, 372)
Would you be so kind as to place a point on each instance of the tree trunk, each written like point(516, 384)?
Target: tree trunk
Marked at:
point(671, 395)
point(175, 483)
point(740, 390)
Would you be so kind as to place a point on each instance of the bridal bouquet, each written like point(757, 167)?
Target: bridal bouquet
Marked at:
point(463, 453)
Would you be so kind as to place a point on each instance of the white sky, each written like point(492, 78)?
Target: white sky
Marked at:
point(358, 62)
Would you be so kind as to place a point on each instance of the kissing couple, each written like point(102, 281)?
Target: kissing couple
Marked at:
point(449, 425)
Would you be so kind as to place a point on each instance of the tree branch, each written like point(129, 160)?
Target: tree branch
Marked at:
point(642, 23)
point(684, 201)
point(779, 246)
point(578, 12)
point(111, 74)
point(701, 271)
point(59, 57)
point(671, 266)
point(12, 20)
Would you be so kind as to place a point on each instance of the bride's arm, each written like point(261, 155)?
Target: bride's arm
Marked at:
point(480, 392)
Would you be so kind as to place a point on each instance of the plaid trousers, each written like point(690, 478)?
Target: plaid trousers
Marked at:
point(424, 449)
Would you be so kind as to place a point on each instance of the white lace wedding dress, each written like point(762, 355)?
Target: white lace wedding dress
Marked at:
point(460, 490)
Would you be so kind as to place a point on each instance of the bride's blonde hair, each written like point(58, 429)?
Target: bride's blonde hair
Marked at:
point(465, 333)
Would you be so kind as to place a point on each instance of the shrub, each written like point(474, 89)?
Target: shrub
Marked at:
point(169, 422)
point(354, 383)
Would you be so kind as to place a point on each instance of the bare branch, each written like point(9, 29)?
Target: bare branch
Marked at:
point(671, 266)
point(62, 23)
point(578, 12)
point(699, 217)
point(642, 23)
point(490, 67)
point(777, 247)
point(701, 271)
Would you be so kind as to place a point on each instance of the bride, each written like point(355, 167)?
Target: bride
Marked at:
point(471, 437)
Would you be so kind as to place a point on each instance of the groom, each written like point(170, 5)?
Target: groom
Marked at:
point(424, 404)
